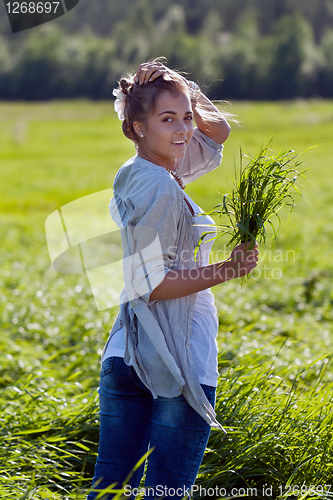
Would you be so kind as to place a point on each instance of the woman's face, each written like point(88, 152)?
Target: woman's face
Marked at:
point(167, 130)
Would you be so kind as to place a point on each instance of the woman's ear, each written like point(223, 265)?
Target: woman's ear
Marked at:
point(138, 129)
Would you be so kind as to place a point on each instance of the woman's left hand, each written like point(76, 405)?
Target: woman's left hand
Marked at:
point(149, 71)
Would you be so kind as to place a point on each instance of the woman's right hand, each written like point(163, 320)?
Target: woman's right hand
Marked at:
point(149, 71)
point(242, 260)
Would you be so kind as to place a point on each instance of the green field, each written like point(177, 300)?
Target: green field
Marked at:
point(275, 335)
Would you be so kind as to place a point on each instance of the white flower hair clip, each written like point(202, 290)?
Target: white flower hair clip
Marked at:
point(119, 103)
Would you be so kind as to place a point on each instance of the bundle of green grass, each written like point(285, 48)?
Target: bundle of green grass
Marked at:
point(261, 189)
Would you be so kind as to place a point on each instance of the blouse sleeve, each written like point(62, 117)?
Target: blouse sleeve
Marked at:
point(203, 155)
point(149, 238)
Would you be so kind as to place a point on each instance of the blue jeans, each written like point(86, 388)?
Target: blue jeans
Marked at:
point(131, 421)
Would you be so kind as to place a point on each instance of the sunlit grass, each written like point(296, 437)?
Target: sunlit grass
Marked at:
point(52, 334)
point(280, 430)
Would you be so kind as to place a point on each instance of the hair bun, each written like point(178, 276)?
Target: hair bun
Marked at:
point(125, 85)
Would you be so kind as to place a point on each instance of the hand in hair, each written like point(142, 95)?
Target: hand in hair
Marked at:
point(149, 71)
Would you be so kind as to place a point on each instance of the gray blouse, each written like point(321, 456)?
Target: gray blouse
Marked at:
point(158, 236)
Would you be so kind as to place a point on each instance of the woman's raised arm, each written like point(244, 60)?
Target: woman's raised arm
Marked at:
point(217, 129)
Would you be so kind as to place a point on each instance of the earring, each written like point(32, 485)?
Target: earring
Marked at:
point(141, 135)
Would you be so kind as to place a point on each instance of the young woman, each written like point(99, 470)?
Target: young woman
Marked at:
point(159, 366)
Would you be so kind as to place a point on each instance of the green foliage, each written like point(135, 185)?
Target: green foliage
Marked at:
point(242, 49)
point(49, 65)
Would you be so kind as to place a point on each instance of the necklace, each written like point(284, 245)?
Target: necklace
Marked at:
point(178, 179)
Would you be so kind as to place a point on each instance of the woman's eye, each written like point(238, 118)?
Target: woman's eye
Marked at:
point(169, 119)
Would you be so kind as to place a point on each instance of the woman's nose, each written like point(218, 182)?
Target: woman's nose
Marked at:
point(181, 128)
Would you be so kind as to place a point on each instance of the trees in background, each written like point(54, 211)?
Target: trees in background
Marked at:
point(243, 49)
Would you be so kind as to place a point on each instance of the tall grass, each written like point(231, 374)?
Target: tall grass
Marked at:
point(279, 439)
point(280, 433)
point(49, 434)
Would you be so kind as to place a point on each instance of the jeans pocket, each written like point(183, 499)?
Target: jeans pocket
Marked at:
point(107, 366)
point(210, 393)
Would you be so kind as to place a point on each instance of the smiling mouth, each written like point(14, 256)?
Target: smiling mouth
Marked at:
point(179, 143)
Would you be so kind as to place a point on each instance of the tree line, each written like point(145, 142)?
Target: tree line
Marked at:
point(238, 49)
